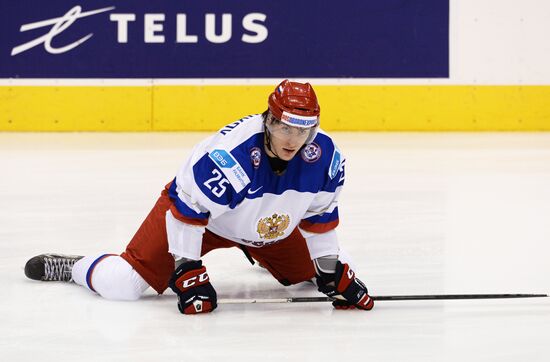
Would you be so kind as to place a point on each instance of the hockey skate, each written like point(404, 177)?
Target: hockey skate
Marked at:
point(51, 267)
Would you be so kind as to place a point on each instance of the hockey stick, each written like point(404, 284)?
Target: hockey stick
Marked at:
point(381, 297)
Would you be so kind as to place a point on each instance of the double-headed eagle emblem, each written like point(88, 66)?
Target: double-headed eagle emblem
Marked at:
point(273, 226)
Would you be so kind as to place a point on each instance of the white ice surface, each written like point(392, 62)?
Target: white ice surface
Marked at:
point(420, 214)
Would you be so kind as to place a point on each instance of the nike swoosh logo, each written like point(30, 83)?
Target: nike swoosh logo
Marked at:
point(250, 191)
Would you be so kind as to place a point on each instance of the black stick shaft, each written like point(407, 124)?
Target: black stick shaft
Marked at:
point(424, 297)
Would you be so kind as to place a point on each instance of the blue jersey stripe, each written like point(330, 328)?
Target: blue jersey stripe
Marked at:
point(316, 171)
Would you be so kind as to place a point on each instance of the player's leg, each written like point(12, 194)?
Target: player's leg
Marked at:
point(115, 279)
point(146, 262)
point(110, 276)
point(288, 260)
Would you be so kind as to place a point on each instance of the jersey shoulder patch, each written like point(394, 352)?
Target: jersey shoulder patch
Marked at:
point(335, 163)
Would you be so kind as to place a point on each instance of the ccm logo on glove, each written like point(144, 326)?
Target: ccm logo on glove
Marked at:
point(191, 283)
point(190, 279)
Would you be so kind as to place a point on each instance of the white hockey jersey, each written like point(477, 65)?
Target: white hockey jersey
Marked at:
point(227, 186)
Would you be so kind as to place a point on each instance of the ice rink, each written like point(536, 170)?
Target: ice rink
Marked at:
point(421, 213)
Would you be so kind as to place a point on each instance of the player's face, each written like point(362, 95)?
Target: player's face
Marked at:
point(286, 140)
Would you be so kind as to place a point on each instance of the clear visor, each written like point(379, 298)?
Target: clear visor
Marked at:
point(282, 130)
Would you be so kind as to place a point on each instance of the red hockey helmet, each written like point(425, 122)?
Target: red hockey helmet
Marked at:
point(295, 104)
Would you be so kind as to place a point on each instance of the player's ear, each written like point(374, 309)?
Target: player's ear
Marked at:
point(269, 119)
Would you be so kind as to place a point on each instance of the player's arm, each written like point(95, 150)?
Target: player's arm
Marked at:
point(334, 277)
point(199, 191)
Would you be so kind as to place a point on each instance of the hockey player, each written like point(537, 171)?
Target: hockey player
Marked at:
point(268, 184)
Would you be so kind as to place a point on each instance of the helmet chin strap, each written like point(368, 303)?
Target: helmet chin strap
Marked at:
point(267, 136)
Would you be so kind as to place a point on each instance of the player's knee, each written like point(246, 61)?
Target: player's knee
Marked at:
point(115, 279)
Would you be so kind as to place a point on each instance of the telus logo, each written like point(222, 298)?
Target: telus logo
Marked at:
point(253, 26)
point(58, 26)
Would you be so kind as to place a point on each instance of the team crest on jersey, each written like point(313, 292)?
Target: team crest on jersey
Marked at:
point(311, 152)
point(256, 156)
point(272, 227)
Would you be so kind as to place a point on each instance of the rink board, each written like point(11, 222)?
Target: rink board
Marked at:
point(209, 107)
point(168, 39)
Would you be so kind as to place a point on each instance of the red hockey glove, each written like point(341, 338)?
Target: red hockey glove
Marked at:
point(344, 284)
point(192, 285)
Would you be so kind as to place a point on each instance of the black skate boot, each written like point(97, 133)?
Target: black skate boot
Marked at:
point(50, 267)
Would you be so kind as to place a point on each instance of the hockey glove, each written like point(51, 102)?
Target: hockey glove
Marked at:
point(349, 291)
point(191, 283)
